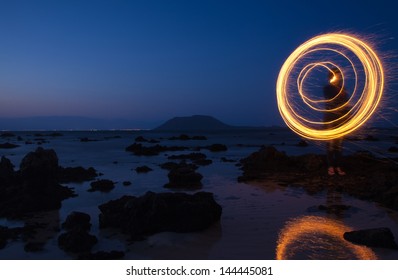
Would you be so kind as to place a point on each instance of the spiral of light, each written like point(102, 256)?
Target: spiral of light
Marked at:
point(362, 102)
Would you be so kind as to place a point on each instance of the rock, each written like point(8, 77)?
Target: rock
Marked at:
point(302, 143)
point(203, 162)
point(8, 145)
point(126, 183)
point(7, 135)
point(6, 170)
point(102, 255)
point(76, 174)
point(140, 139)
point(76, 241)
point(184, 176)
point(371, 138)
point(103, 185)
point(77, 221)
point(153, 213)
point(368, 177)
point(191, 156)
point(140, 150)
point(86, 139)
point(376, 237)
point(39, 169)
point(182, 137)
point(34, 187)
point(224, 159)
point(199, 137)
point(143, 169)
point(3, 236)
point(393, 149)
point(8, 233)
point(169, 165)
point(217, 148)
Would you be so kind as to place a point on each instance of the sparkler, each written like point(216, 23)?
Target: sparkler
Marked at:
point(363, 100)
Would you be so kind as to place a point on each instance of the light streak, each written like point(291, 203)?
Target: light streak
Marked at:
point(311, 233)
point(362, 102)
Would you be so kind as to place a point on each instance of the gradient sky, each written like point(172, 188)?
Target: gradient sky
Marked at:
point(152, 60)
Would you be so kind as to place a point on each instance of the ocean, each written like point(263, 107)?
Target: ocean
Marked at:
point(259, 220)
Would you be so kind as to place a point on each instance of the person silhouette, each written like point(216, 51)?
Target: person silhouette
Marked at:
point(336, 109)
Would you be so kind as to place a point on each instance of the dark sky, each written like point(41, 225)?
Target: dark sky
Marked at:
point(152, 60)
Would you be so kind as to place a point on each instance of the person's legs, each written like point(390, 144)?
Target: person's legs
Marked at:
point(330, 156)
point(338, 149)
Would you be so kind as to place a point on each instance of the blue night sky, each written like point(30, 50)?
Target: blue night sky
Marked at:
point(149, 61)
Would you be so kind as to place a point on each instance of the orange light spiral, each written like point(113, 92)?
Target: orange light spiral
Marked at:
point(363, 99)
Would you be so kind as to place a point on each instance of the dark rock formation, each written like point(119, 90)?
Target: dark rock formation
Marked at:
point(6, 171)
point(184, 176)
point(77, 241)
point(169, 165)
point(140, 139)
point(393, 149)
point(367, 177)
point(102, 255)
point(103, 185)
point(34, 187)
point(8, 145)
point(140, 150)
point(203, 162)
point(217, 148)
point(7, 135)
point(143, 169)
point(191, 156)
point(153, 213)
point(77, 221)
point(224, 159)
point(76, 174)
point(377, 237)
point(8, 233)
point(184, 137)
point(302, 143)
point(86, 139)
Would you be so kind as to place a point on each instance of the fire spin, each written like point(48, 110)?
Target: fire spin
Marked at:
point(365, 98)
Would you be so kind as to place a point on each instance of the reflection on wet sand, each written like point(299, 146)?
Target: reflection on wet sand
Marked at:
point(313, 237)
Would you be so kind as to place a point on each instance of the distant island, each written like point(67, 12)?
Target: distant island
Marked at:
point(197, 123)
point(189, 123)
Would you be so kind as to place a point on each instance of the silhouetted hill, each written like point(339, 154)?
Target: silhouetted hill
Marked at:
point(194, 123)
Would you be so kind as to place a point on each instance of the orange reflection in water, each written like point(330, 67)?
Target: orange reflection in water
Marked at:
point(312, 237)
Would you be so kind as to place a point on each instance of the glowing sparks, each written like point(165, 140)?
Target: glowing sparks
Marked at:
point(363, 99)
point(309, 235)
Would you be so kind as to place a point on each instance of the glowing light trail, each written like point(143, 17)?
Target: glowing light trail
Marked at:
point(310, 234)
point(362, 102)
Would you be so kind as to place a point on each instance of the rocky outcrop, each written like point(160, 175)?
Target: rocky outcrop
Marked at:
point(103, 185)
point(143, 169)
point(367, 177)
point(184, 176)
point(8, 145)
point(36, 185)
point(140, 150)
point(77, 239)
point(76, 174)
point(376, 237)
point(77, 221)
point(153, 213)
